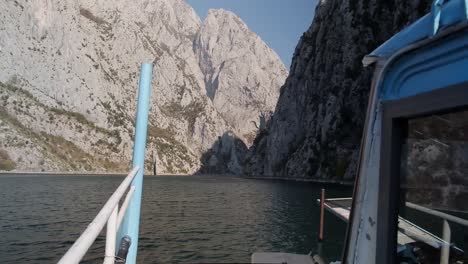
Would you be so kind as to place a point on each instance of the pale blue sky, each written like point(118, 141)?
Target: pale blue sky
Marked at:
point(280, 23)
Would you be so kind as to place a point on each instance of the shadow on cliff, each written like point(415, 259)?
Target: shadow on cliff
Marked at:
point(226, 156)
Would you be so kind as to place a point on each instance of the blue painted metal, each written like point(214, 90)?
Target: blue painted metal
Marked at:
point(440, 64)
point(131, 222)
point(443, 14)
point(412, 62)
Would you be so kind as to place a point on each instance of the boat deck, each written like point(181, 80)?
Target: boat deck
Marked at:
point(281, 258)
point(407, 231)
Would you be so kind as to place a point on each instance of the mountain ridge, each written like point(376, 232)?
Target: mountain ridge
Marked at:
point(75, 65)
point(316, 128)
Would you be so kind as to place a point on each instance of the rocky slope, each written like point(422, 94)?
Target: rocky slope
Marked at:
point(69, 73)
point(316, 128)
point(235, 79)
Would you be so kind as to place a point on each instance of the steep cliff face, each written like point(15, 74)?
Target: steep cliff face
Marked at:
point(69, 73)
point(226, 155)
point(240, 72)
point(316, 128)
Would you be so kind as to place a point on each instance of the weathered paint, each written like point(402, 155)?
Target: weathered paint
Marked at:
point(412, 62)
point(441, 64)
point(448, 14)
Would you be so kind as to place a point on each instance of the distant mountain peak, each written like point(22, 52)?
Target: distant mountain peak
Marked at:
point(241, 71)
point(316, 129)
point(222, 17)
point(69, 75)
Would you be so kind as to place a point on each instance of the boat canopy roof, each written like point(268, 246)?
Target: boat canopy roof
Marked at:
point(444, 13)
point(420, 72)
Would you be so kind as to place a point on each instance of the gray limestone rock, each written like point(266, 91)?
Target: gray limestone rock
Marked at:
point(69, 77)
point(316, 128)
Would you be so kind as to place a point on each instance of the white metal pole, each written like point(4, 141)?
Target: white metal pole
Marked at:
point(111, 237)
point(84, 242)
point(442, 215)
point(445, 249)
point(123, 209)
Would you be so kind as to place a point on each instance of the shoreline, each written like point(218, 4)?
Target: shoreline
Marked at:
point(68, 173)
point(85, 174)
point(317, 181)
point(120, 174)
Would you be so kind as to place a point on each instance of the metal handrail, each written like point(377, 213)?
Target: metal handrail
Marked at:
point(125, 203)
point(446, 232)
point(111, 236)
point(110, 208)
point(439, 214)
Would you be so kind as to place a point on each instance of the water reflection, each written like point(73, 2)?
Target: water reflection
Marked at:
point(184, 220)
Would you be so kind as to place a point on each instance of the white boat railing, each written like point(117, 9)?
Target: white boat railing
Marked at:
point(450, 218)
point(109, 214)
point(446, 232)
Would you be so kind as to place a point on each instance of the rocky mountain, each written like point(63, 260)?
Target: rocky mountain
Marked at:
point(69, 74)
point(235, 79)
point(316, 129)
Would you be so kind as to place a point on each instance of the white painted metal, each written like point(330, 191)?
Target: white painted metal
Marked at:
point(111, 235)
point(445, 251)
point(363, 231)
point(361, 249)
point(408, 232)
point(123, 209)
point(84, 242)
point(440, 214)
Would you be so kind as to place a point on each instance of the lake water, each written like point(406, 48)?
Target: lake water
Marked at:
point(184, 219)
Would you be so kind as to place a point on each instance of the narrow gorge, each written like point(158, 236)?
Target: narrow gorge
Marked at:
point(69, 76)
point(316, 129)
point(222, 100)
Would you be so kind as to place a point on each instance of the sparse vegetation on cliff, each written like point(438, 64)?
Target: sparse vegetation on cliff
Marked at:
point(6, 163)
point(89, 15)
point(65, 153)
point(189, 112)
point(316, 129)
point(176, 155)
point(77, 78)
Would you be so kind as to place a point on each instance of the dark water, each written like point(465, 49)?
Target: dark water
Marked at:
point(184, 219)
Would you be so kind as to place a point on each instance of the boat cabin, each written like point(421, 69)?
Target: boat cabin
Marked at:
point(410, 199)
point(410, 202)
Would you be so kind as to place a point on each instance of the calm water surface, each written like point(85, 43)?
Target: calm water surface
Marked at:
point(184, 219)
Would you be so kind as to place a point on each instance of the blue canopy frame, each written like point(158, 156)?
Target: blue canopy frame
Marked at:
point(429, 55)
